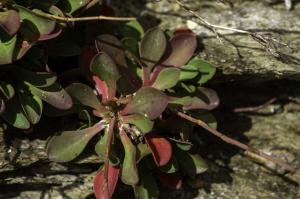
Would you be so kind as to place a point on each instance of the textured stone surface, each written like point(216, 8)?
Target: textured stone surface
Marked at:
point(239, 54)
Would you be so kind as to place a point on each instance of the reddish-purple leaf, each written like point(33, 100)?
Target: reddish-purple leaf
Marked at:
point(160, 147)
point(113, 47)
point(99, 182)
point(51, 35)
point(147, 101)
point(181, 49)
point(101, 87)
point(205, 98)
point(173, 180)
point(10, 21)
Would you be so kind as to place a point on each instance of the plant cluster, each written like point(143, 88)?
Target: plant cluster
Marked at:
point(134, 82)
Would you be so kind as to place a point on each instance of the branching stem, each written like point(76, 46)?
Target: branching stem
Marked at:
point(249, 151)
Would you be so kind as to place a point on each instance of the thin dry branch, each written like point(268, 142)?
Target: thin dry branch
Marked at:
point(77, 19)
point(253, 153)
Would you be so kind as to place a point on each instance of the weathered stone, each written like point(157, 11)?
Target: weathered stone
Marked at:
point(239, 55)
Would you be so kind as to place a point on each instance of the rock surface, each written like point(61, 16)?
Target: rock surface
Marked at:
point(239, 55)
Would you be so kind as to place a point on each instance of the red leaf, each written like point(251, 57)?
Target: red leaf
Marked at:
point(160, 147)
point(173, 180)
point(99, 184)
point(85, 58)
point(182, 31)
point(101, 87)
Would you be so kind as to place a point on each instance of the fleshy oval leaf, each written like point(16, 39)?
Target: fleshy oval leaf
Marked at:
point(10, 21)
point(7, 47)
point(100, 185)
point(54, 95)
point(206, 69)
point(141, 122)
point(7, 91)
point(67, 145)
point(85, 95)
point(167, 78)
point(129, 172)
point(147, 101)
point(182, 48)
point(14, 115)
point(153, 46)
point(160, 147)
point(113, 47)
point(132, 29)
point(104, 67)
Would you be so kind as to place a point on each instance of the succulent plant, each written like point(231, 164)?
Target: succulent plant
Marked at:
point(26, 79)
point(137, 84)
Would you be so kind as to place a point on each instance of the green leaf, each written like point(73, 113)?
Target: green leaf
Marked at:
point(132, 29)
point(10, 21)
point(142, 150)
point(54, 95)
point(188, 72)
point(206, 69)
point(7, 47)
point(32, 105)
point(70, 6)
point(129, 172)
point(104, 67)
point(148, 188)
point(192, 163)
point(167, 78)
point(67, 145)
point(147, 101)
point(141, 122)
point(14, 114)
point(131, 45)
point(6, 90)
point(33, 24)
point(85, 95)
point(153, 46)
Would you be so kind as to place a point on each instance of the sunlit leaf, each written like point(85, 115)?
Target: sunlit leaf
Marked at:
point(167, 78)
point(129, 172)
point(100, 185)
point(67, 145)
point(188, 72)
point(141, 122)
point(147, 101)
point(85, 95)
point(33, 25)
point(131, 45)
point(14, 115)
point(10, 21)
point(142, 150)
point(147, 189)
point(54, 95)
point(7, 46)
point(160, 147)
point(206, 69)
point(153, 46)
point(104, 67)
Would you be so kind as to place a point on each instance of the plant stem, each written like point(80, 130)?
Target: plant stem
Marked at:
point(249, 151)
point(77, 19)
point(107, 152)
